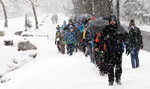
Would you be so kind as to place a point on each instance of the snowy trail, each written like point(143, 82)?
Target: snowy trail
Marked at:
point(52, 70)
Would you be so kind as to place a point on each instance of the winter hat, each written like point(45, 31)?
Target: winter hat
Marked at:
point(113, 17)
point(70, 27)
point(131, 22)
point(58, 28)
point(64, 22)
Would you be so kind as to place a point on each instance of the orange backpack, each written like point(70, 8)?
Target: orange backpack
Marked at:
point(97, 37)
point(98, 40)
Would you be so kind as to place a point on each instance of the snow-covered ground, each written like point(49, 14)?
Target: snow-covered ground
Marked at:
point(52, 70)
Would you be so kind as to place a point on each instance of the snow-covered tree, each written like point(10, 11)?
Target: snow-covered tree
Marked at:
point(95, 7)
point(33, 4)
point(34, 12)
point(134, 9)
point(5, 13)
point(103, 8)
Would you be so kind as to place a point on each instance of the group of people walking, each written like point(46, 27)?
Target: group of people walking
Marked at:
point(104, 47)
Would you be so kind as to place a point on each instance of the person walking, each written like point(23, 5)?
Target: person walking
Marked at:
point(70, 41)
point(100, 54)
point(57, 38)
point(135, 43)
point(114, 35)
point(62, 45)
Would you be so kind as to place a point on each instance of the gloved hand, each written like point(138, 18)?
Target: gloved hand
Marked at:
point(65, 42)
point(96, 49)
point(127, 50)
point(75, 44)
point(102, 54)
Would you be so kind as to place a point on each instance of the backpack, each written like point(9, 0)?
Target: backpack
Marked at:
point(97, 37)
point(97, 40)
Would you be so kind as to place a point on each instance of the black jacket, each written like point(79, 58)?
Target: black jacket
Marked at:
point(135, 37)
point(114, 37)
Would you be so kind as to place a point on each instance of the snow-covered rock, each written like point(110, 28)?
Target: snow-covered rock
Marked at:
point(24, 46)
point(18, 33)
point(1, 33)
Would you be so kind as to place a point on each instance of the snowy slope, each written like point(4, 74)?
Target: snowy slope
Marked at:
point(52, 70)
point(17, 24)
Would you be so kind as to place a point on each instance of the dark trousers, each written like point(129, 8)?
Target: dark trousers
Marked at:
point(58, 45)
point(135, 57)
point(70, 49)
point(103, 67)
point(114, 66)
point(62, 48)
point(85, 43)
point(117, 74)
point(101, 63)
point(88, 50)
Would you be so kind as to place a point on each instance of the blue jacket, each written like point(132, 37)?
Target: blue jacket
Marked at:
point(70, 38)
point(63, 26)
point(81, 28)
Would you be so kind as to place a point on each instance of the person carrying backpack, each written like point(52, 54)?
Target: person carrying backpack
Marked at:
point(63, 27)
point(135, 43)
point(114, 35)
point(100, 54)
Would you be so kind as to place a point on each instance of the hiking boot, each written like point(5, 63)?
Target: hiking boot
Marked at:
point(102, 73)
point(118, 82)
point(110, 83)
point(86, 55)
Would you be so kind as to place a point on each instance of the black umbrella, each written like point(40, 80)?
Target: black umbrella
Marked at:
point(84, 16)
point(121, 30)
point(97, 25)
